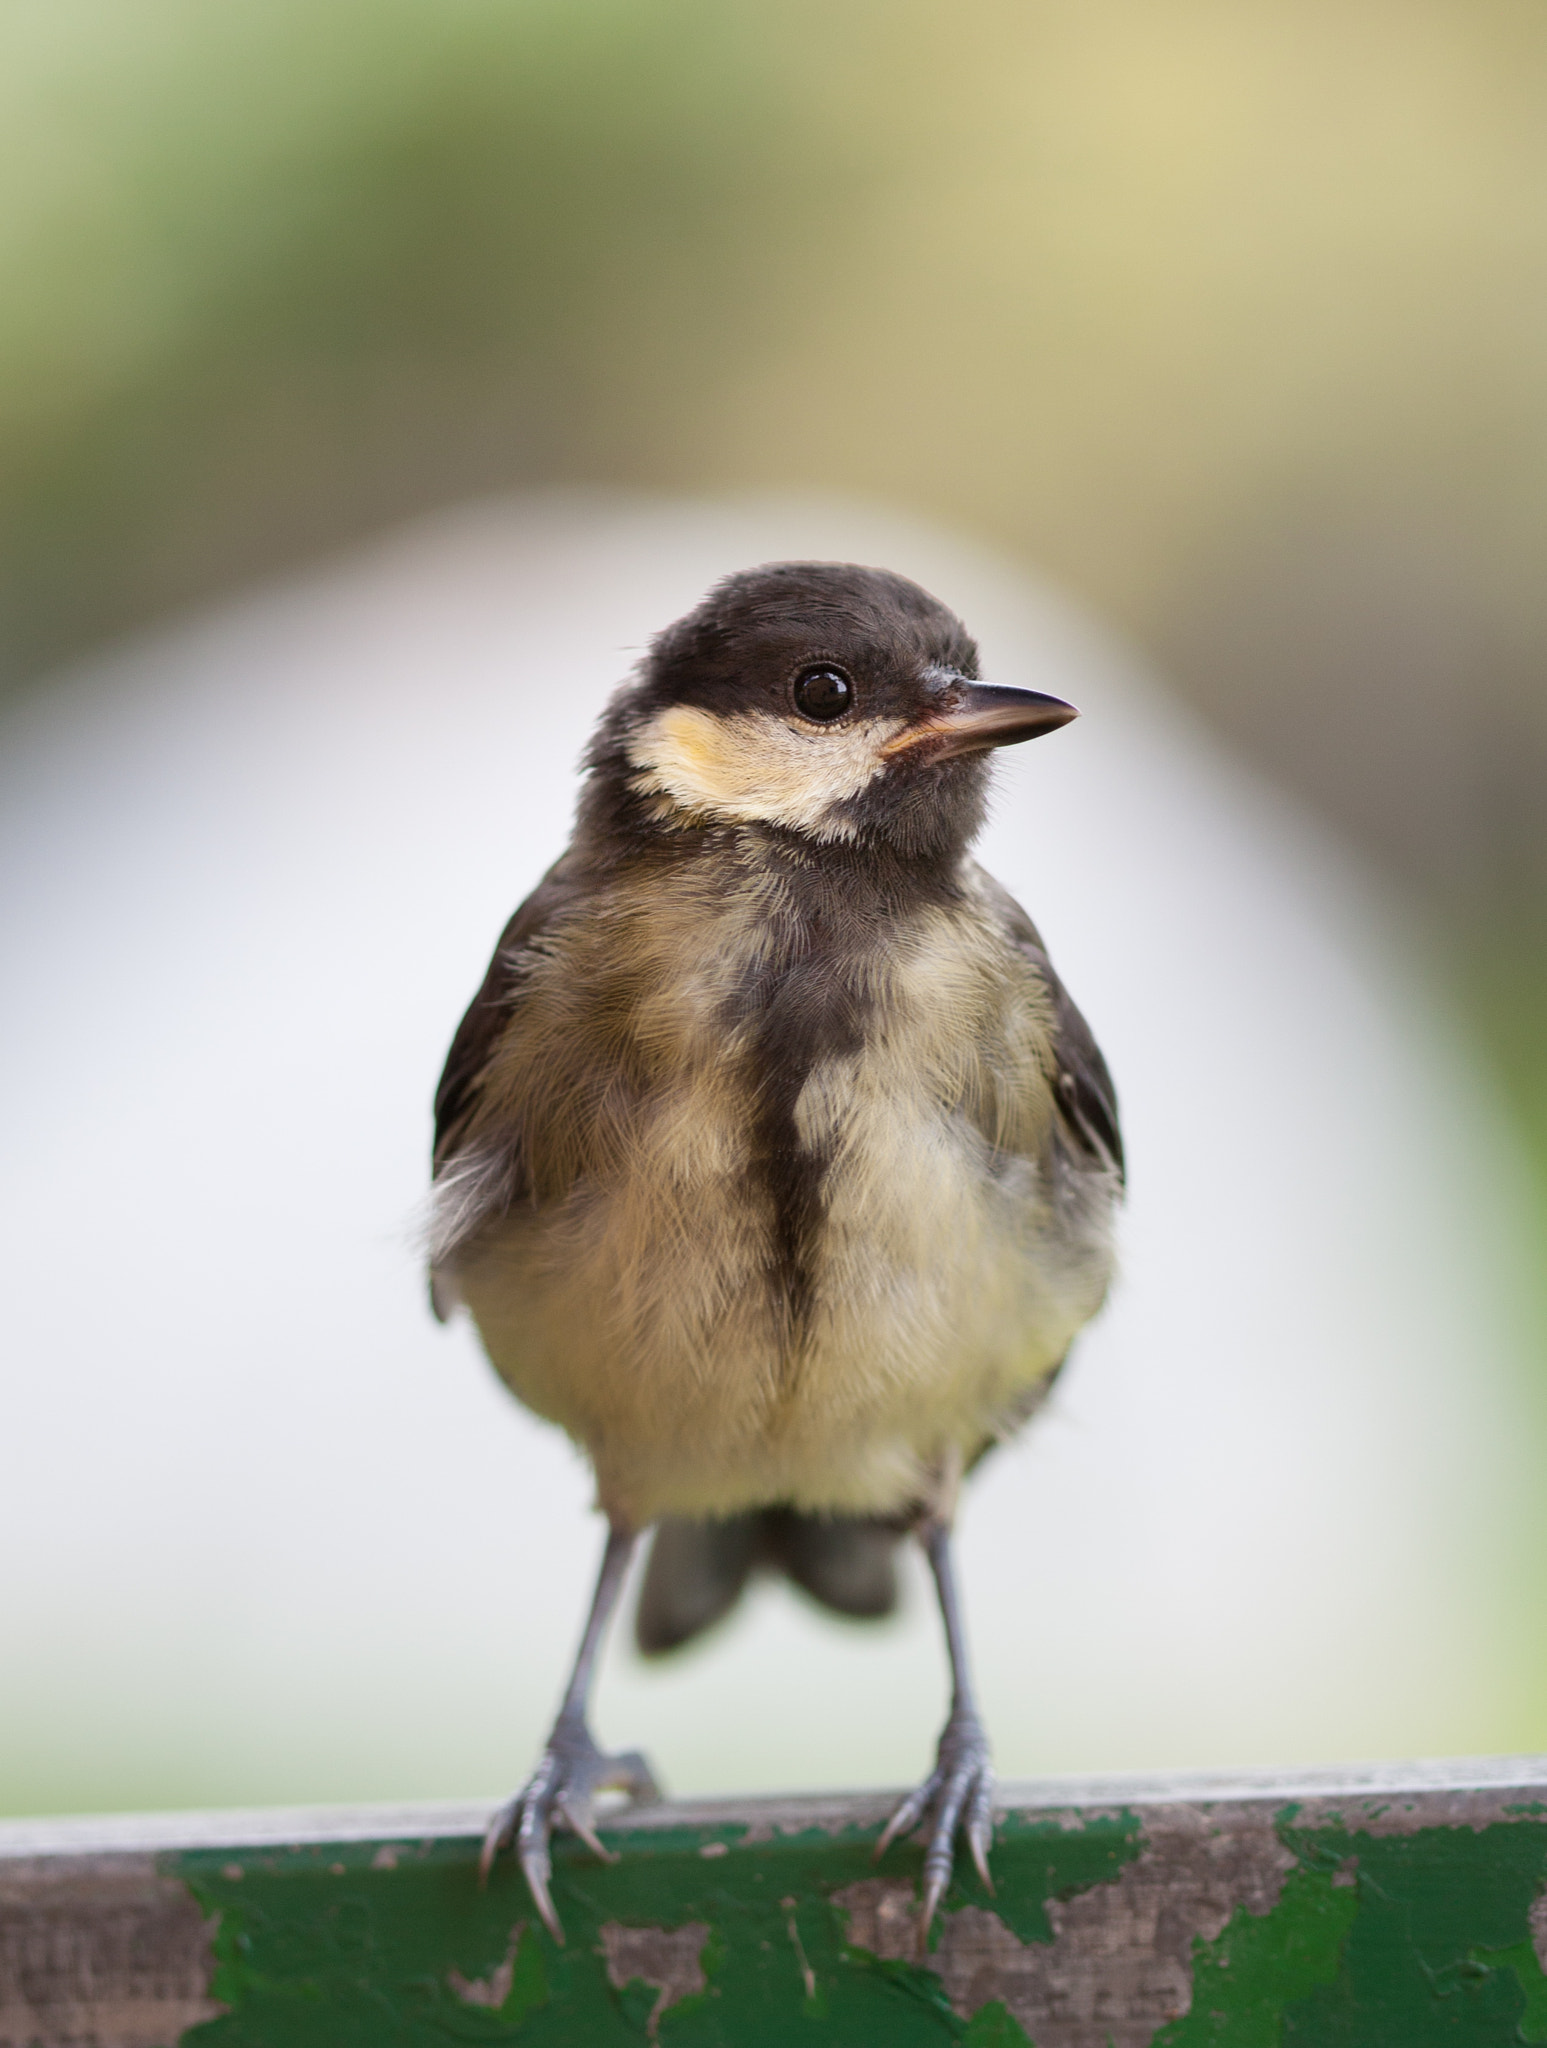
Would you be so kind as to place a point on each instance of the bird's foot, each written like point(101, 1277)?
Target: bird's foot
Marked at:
point(958, 1793)
point(562, 1791)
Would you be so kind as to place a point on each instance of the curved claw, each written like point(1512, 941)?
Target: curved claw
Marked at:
point(561, 1791)
point(980, 1828)
point(908, 1815)
point(577, 1817)
point(497, 1836)
point(934, 1892)
point(958, 1794)
point(537, 1866)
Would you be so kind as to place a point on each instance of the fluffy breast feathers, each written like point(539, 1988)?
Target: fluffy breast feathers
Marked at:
point(769, 1191)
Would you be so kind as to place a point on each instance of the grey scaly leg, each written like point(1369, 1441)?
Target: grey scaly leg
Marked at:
point(959, 1791)
point(571, 1770)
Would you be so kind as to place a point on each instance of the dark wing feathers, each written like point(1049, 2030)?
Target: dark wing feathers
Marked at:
point(1087, 1101)
point(488, 1015)
point(1082, 1087)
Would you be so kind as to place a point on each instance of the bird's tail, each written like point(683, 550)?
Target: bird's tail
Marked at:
point(697, 1569)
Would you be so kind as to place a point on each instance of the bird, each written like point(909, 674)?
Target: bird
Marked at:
point(773, 1161)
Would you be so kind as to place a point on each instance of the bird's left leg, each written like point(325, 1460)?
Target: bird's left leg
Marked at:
point(959, 1791)
point(572, 1769)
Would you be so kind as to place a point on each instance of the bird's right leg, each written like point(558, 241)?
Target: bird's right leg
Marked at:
point(571, 1770)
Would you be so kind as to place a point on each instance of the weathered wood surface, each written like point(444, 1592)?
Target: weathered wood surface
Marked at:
point(1355, 1909)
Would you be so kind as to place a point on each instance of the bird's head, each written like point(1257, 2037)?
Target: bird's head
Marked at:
point(833, 702)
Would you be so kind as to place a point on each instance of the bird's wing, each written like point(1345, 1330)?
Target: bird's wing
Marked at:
point(1084, 1097)
point(471, 1178)
point(1085, 1121)
point(489, 1014)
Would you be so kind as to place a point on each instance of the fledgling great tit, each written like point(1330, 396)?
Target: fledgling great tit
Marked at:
point(772, 1159)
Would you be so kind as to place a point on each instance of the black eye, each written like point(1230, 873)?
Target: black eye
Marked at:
point(823, 693)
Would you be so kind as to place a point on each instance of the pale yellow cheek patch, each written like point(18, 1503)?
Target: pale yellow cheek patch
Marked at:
point(754, 768)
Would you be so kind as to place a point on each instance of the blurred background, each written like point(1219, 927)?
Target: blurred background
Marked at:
point(1229, 314)
point(1226, 317)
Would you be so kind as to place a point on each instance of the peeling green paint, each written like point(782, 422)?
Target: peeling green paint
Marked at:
point(1261, 1963)
point(1362, 1931)
point(1437, 1950)
point(330, 1947)
point(995, 2026)
point(1040, 1860)
point(1533, 1984)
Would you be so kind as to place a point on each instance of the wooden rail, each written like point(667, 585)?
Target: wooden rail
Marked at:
point(1395, 1907)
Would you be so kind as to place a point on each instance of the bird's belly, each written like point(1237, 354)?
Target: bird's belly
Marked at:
point(648, 1313)
point(949, 1285)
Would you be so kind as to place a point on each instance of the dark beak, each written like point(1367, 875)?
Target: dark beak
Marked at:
point(982, 715)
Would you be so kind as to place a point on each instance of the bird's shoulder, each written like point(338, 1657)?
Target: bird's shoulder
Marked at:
point(1083, 1092)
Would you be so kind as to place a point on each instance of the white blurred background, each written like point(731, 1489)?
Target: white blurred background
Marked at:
point(272, 1535)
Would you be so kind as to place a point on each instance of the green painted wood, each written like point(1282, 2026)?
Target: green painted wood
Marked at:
point(1405, 1907)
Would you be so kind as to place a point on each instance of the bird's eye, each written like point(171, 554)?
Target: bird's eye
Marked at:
point(823, 694)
